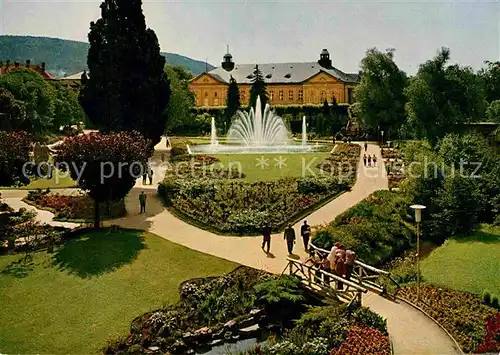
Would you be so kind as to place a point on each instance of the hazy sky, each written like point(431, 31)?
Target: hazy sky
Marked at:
point(286, 31)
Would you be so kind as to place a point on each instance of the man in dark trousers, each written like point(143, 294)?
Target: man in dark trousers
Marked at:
point(305, 232)
point(290, 238)
point(142, 201)
point(150, 176)
point(266, 234)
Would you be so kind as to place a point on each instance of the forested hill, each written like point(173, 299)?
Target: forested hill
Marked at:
point(65, 57)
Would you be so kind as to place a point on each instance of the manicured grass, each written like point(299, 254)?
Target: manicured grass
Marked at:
point(295, 165)
point(91, 288)
point(467, 263)
point(59, 180)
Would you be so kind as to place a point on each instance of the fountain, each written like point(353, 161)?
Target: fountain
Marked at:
point(304, 131)
point(213, 134)
point(255, 131)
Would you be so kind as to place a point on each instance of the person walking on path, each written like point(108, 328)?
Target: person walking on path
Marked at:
point(266, 234)
point(374, 160)
point(305, 232)
point(142, 201)
point(364, 159)
point(144, 177)
point(150, 176)
point(366, 146)
point(289, 236)
point(369, 160)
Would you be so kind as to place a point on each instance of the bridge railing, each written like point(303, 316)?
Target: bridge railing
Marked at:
point(372, 278)
point(317, 279)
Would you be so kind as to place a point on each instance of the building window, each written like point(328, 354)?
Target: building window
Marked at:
point(242, 94)
point(334, 99)
point(271, 95)
point(281, 95)
point(301, 95)
point(215, 94)
point(206, 94)
point(290, 95)
point(323, 96)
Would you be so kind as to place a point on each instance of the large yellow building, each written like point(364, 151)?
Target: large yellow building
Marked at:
point(309, 83)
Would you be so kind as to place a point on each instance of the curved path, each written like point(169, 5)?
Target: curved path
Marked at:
point(411, 331)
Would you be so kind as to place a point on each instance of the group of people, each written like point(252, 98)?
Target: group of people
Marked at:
point(288, 235)
point(368, 160)
point(339, 262)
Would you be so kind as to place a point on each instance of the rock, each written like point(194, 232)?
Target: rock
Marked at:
point(216, 342)
point(187, 335)
point(230, 324)
point(227, 335)
point(256, 311)
point(203, 331)
point(235, 337)
point(250, 329)
point(247, 322)
point(154, 348)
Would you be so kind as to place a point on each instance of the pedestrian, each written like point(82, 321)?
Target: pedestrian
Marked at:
point(369, 160)
point(366, 146)
point(364, 159)
point(142, 201)
point(325, 266)
point(289, 236)
point(266, 237)
point(144, 177)
point(374, 160)
point(339, 269)
point(305, 232)
point(150, 176)
point(350, 257)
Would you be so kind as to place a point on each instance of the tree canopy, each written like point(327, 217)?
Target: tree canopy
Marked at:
point(104, 165)
point(181, 102)
point(380, 92)
point(440, 96)
point(14, 153)
point(126, 89)
point(258, 88)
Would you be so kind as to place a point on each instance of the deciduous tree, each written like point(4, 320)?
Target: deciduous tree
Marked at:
point(104, 165)
point(126, 89)
point(14, 153)
point(181, 100)
point(380, 92)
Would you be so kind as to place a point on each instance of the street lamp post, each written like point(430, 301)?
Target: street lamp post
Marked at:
point(382, 133)
point(418, 218)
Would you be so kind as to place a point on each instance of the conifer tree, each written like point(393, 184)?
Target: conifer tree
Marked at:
point(258, 89)
point(233, 101)
point(126, 88)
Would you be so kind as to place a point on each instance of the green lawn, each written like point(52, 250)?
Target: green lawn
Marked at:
point(59, 180)
point(292, 164)
point(90, 289)
point(468, 263)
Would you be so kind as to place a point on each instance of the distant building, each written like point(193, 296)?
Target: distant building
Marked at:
point(72, 81)
point(8, 66)
point(306, 83)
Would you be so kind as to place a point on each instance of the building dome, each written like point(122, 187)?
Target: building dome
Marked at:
point(324, 59)
point(227, 61)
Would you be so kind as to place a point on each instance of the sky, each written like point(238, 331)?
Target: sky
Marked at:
point(287, 31)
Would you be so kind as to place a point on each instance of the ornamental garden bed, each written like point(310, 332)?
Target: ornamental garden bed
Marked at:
point(73, 207)
point(246, 304)
point(243, 207)
point(473, 324)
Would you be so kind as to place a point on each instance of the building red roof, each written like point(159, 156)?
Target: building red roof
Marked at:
point(8, 66)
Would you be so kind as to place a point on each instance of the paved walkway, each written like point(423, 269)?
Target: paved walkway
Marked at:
point(411, 331)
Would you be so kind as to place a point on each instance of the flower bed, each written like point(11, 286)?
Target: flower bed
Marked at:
point(364, 340)
point(473, 324)
point(73, 207)
point(391, 153)
point(242, 207)
point(344, 160)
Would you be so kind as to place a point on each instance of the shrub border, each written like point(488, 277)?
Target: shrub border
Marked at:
point(435, 321)
point(188, 219)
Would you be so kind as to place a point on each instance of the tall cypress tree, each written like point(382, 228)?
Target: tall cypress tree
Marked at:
point(126, 88)
point(233, 101)
point(258, 89)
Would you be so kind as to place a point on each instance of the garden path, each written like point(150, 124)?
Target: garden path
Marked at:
point(411, 331)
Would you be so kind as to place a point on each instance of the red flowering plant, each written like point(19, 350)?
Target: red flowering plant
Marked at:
point(104, 165)
point(363, 340)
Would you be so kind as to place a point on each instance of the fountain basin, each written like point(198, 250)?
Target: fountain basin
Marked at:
point(254, 149)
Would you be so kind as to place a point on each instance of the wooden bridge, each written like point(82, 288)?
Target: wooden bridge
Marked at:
point(364, 278)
